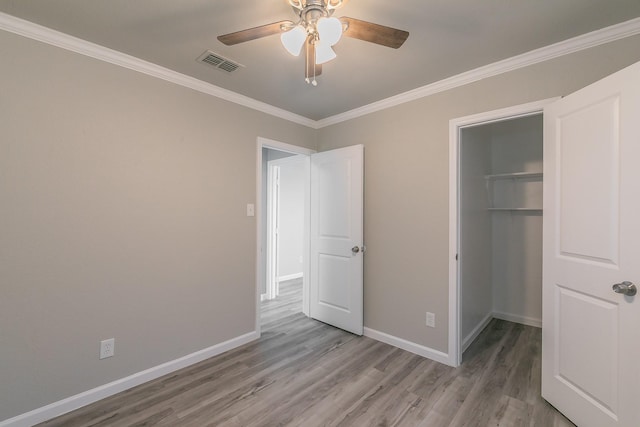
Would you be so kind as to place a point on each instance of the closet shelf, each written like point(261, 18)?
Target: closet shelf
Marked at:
point(514, 175)
point(515, 192)
point(517, 209)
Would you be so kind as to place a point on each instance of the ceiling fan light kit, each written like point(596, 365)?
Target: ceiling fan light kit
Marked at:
point(318, 30)
point(294, 39)
point(329, 30)
point(324, 53)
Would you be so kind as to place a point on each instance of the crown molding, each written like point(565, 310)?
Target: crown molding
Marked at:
point(37, 32)
point(576, 44)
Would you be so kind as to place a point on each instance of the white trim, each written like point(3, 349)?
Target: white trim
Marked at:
point(282, 146)
point(466, 342)
point(501, 114)
point(291, 276)
point(55, 38)
point(510, 317)
point(455, 347)
point(272, 252)
point(575, 44)
point(454, 325)
point(306, 243)
point(85, 398)
point(409, 346)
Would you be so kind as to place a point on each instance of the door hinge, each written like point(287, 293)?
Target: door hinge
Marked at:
point(456, 257)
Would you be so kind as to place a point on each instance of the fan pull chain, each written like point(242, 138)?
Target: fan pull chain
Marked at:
point(314, 82)
point(311, 60)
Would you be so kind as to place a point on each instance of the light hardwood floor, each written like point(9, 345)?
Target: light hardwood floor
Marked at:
point(305, 373)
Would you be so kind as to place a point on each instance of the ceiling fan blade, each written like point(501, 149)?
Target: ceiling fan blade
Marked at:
point(374, 33)
point(311, 69)
point(255, 33)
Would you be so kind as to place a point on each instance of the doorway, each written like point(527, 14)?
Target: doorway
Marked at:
point(495, 222)
point(333, 245)
point(283, 229)
point(286, 192)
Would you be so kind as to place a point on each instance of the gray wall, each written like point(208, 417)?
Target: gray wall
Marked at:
point(406, 183)
point(476, 281)
point(123, 211)
point(122, 215)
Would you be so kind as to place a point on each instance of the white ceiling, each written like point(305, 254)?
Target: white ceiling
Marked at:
point(447, 37)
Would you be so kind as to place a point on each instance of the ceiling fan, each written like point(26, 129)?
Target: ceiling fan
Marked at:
point(318, 30)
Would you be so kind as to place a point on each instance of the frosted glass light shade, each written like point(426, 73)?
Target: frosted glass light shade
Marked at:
point(294, 39)
point(324, 53)
point(330, 30)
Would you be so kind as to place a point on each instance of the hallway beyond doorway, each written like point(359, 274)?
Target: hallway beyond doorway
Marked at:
point(288, 302)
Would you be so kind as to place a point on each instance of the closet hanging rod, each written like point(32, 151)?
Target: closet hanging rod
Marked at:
point(514, 175)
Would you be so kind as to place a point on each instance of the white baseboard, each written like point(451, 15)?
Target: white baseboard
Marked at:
point(529, 321)
point(466, 342)
point(290, 277)
point(72, 403)
point(412, 347)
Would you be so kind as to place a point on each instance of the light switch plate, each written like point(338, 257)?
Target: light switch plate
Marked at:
point(251, 209)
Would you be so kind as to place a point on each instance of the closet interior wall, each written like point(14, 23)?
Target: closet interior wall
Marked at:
point(500, 224)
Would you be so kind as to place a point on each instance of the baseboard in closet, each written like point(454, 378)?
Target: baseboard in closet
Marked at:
point(516, 318)
point(529, 321)
point(466, 342)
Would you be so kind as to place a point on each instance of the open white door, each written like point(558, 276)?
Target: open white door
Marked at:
point(336, 243)
point(590, 337)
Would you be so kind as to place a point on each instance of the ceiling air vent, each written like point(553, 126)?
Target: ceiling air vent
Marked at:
point(218, 61)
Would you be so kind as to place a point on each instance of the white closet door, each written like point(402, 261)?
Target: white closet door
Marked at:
point(590, 337)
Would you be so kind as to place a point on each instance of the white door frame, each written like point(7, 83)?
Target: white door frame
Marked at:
point(260, 278)
point(273, 220)
point(455, 127)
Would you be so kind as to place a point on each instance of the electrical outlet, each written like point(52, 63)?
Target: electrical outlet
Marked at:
point(431, 320)
point(107, 348)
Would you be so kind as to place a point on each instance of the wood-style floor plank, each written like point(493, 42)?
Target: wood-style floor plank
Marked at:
point(304, 373)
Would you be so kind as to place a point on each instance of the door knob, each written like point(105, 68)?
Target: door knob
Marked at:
point(355, 249)
point(625, 288)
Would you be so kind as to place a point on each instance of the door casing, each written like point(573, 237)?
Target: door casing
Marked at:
point(273, 220)
point(454, 356)
point(260, 245)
